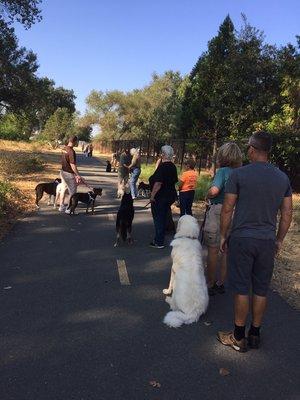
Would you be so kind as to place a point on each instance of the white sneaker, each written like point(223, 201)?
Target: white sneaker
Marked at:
point(62, 208)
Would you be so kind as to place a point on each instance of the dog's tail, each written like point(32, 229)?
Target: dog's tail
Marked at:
point(175, 319)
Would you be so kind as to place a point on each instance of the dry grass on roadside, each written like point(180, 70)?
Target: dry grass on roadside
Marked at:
point(286, 278)
point(41, 165)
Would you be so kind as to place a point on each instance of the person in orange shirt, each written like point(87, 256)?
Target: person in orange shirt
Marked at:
point(187, 186)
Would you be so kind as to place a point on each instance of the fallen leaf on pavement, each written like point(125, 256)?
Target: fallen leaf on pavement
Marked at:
point(155, 384)
point(224, 372)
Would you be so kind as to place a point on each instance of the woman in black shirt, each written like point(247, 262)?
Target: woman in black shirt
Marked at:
point(163, 193)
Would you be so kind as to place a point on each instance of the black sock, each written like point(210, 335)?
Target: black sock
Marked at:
point(239, 332)
point(254, 330)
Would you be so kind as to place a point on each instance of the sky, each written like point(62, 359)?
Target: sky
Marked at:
point(105, 45)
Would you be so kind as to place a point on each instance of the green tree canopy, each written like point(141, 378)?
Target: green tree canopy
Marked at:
point(26, 12)
point(58, 127)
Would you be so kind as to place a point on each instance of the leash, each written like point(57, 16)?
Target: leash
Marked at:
point(203, 224)
point(147, 204)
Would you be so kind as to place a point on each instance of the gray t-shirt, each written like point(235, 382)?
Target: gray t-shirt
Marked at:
point(261, 188)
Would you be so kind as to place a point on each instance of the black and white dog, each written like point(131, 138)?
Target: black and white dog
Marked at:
point(49, 188)
point(86, 198)
point(125, 217)
point(144, 189)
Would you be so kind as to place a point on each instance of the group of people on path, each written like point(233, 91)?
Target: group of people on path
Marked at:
point(88, 149)
point(240, 223)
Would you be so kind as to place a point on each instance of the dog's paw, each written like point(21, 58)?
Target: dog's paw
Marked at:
point(167, 291)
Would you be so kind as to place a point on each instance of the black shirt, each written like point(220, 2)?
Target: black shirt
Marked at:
point(166, 173)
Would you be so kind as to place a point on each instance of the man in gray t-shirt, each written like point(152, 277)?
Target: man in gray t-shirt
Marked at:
point(255, 193)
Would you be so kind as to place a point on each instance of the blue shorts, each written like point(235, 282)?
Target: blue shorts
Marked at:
point(250, 264)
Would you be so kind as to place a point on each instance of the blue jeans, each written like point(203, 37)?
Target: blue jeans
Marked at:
point(133, 180)
point(186, 201)
point(159, 212)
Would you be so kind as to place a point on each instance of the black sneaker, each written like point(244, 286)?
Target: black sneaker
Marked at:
point(156, 246)
point(219, 288)
point(253, 341)
point(211, 291)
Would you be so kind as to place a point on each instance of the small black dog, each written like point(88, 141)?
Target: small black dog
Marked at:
point(125, 217)
point(108, 166)
point(49, 188)
point(86, 198)
point(144, 189)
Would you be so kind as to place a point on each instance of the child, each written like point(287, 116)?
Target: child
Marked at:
point(187, 186)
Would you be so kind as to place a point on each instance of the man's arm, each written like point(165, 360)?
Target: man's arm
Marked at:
point(78, 178)
point(226, 216)
point(286, 213)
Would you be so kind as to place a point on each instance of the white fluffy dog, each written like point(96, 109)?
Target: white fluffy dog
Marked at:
point(189, 299)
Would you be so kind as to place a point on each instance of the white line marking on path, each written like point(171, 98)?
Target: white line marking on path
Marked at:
point(111, 217)
point(123, 275)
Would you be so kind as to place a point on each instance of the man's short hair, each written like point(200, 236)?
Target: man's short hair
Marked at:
point(73, 139)
point(261, 141)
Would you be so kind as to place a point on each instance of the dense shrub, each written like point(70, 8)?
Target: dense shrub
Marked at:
point(6, 192)
point(19, 164)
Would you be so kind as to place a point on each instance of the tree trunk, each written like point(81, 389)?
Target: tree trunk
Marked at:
point(214, 154)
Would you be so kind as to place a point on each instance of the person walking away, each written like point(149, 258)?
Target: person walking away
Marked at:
point(187, 186)
point(114, 162)
point(135, 168)
point(229, 156)
point(91, 148)
point(163, 193)
point(256, 193)
point(69, 173)
point(86, 150)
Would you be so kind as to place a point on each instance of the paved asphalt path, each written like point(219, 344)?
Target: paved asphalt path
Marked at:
point(71, 331)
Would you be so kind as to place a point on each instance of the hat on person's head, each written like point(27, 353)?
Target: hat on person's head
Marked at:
point(132, 151)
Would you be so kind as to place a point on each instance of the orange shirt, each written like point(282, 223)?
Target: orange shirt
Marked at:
point(189, 179)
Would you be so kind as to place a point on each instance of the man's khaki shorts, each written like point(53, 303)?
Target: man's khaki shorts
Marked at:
point(68, 182)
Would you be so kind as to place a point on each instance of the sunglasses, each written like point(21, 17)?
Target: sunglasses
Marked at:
point(251, 145)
